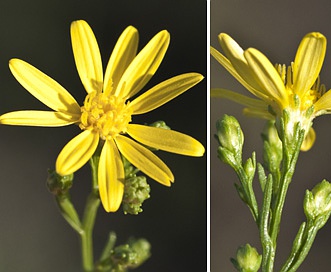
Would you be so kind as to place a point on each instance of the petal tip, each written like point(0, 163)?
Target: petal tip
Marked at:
point(317, 35)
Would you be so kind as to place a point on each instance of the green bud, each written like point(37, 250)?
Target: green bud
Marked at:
point(143, 249)
point(160, 124)
point(230, 135)
point(130, 255)
point(57, 184)
point(248, 259)
point(317, 202)
point(250, 166)
point(273, 151)
point(136, 191)
point(123, 255)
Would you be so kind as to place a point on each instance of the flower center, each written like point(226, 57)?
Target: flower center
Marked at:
point(107, 115)
point(315, 93)
point(305, 102)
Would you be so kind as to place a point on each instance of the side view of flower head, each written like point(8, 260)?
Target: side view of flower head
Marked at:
point(295, 89)
point(106, 115)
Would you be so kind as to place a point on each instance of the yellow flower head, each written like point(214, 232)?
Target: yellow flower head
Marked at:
point(295, 89)
point(105, 118)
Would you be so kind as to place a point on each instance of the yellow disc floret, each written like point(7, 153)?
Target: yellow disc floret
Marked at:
point(309, 97)
point(104, 114)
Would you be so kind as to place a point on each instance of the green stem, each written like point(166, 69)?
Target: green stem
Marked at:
point(311, 234)
point(275, 225)
point(92, 205)
point(267, 246)
point(85, 227)
point(297, 244)
point(108, 247)
point(68, 211)
point(90, 212)
point(246, 183)
point(277, 211)
point(291, 152)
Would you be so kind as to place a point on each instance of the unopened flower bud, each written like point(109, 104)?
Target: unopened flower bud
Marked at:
point(130, 255)
point(273, 150)
point(143, 249)
point(317, 202)
point(231, 140)
point(57, 184)
point(136, 191)
point(159, 124)
point(250, 166)
point(247, 259)
point(123, 255)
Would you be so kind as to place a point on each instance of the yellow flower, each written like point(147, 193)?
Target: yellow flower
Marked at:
point(296, 88)
point(106, 114)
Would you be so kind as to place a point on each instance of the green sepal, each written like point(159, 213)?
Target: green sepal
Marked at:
point(262, 176)
point(58, 184)
point(241, 193)
point(228, 157)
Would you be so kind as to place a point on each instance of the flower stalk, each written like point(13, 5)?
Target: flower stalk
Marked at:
point(90, 213)
point(291, 150)
point(89, 216)
point(84, 227)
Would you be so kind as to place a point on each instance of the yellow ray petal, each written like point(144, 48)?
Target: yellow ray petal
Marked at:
point(236, 56)
point(110, 177)
point(165, 139)
point(308, 62)
point(145, 160)
point(239, 98)
point(124, 52)
point(144, 65)
point(309, 140)
point(267, 76)
point(87, 56)
point(323, 105)
point(228, 66)
point(258, 113)
point(76, 153)
point(38, 118)
point(164, 92)
point(44, 88)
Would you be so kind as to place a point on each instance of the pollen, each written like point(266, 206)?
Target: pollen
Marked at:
point(107, 115)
